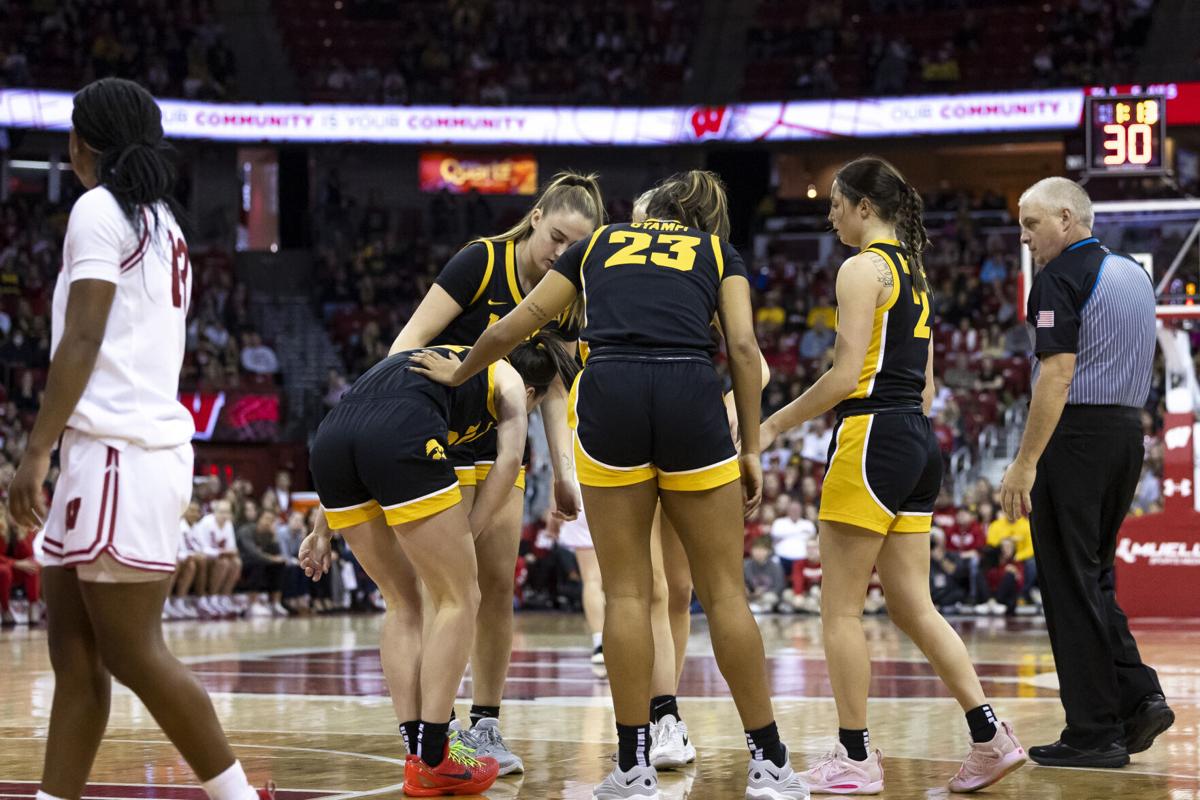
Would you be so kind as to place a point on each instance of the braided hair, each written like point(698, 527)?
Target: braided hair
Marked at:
point(894, 200)
point(121, 123)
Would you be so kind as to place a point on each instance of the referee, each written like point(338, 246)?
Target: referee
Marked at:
point(1091, 312)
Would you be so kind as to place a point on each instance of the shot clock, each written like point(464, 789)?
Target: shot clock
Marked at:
point(1126, 134)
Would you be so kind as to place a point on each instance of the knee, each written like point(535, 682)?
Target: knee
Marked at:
point(909, 616)
point(679, 596)
point(495, 580)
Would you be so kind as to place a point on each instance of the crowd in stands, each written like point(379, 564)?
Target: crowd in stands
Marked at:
point(490, 52)
point(175, 49)
point(888, 47)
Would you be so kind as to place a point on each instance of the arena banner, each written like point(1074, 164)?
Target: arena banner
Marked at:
point(1059, 109)
point(462, 172)
point(235, 416)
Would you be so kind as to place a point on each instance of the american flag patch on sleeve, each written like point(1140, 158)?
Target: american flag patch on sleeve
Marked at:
point(1045, 319)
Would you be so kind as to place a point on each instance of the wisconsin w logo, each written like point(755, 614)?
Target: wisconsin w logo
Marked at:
point(434, 450)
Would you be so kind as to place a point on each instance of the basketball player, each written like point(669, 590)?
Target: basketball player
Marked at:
point(380, 465)
point(478, 286)
point(671, 746)
point(882, 479)
point(576, 536)
point(190, 567)
point(650, 425)
point(118, 329)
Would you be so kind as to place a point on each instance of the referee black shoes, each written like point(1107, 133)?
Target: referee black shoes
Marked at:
point(1063, 755)
point(1153, 717)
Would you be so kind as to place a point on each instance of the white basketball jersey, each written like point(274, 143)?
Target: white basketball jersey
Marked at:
point(132, 395)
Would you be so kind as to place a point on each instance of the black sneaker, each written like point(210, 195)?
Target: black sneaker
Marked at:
point(1152, 718)
point(1113, 756)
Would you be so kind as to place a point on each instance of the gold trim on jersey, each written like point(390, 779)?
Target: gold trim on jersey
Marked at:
point(491, 391)
point(846, 494)
point(702, 479)
point(423, 507)
point(487, 273)
point(573, 398)
point(873, 361)
point(342, 518)
point(912, 522)
point(716, 246)
point(465, 475)
point(596, 473)
point(510, 268)
point(484, 468)
point(588, 251)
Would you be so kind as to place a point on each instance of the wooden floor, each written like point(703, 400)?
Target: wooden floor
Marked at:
point(303, 700)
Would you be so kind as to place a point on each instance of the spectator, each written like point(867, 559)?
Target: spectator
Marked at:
point(765, 583)
point(265, 564)
point(296, 584)
point(217, 538)
point(816, 340)
point(190, 567)
point(949, 578)
point(790, 536)
point(20, 570)
point(1005, 580)
point(1003, 528)
point(815, 445)
point(806, 581)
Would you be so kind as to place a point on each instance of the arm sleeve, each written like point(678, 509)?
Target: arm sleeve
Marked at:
point(99, 238)
point(464, 275)
point(734, 265)
point(570, 263)
point(1054, 303)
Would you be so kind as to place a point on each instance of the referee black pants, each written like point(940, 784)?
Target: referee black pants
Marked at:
point(1085, 482)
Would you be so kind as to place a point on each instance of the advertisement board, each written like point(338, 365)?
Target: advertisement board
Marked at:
point(462, 172)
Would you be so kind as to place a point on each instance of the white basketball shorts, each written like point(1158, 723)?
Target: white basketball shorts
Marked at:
point(124, 503)
point(575, 534)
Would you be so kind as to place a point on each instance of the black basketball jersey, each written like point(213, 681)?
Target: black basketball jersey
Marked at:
point(469, 409)
point(892, 376)
point(482, 278)
point(650, 285)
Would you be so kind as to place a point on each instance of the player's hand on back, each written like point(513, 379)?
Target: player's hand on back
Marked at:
point(437, 366)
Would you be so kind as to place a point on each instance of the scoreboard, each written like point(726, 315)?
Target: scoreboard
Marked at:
point(1125, 135)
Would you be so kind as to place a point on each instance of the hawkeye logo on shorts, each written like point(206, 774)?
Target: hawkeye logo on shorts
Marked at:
point(434, 449)
point(471, 434)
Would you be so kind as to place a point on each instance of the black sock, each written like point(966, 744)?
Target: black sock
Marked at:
point(484, 712)
point(662, 705)
point(431, 738)
point(633, 746)
point(982, 722)
point(764, 744)
point(856, 742)
point(410, 731)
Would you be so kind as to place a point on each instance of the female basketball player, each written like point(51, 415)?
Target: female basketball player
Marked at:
point(112, 535)
point(671, 612)
point(650, 425)
point(380, 465)
point(479, 285)
point(882, 479)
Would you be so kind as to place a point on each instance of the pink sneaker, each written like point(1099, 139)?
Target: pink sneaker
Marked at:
point(837, 773)
point(988, 762)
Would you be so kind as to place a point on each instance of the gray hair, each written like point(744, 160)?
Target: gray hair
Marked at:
point(1056, 194)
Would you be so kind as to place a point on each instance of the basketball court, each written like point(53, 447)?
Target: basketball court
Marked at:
point(304, 700)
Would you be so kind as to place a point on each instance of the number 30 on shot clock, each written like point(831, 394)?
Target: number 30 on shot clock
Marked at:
point(1125, 134)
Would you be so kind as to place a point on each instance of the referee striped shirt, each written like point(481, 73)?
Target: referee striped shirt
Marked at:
point(1099, 305)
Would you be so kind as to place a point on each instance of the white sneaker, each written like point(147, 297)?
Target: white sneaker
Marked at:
point(639, 782)
point(278, 610)
point(489, 742)
point(257, 610)
point(187, 609)
point(990, 761)
point(765, 781)
point(837, 773)
point(669, 745)
point(598, 654)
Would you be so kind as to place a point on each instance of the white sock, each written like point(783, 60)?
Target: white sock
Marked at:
point(43, 796)
point(230, 785)
point(597, 640)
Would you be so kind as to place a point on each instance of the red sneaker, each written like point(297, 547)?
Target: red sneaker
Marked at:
point(459, 773)
point(267, 792)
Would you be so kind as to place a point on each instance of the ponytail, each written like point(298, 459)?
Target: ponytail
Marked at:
point(895, 201)
point(696, 198)
point(568, 191)
point(541, 359)
point(121, 123)
point(910, 224)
